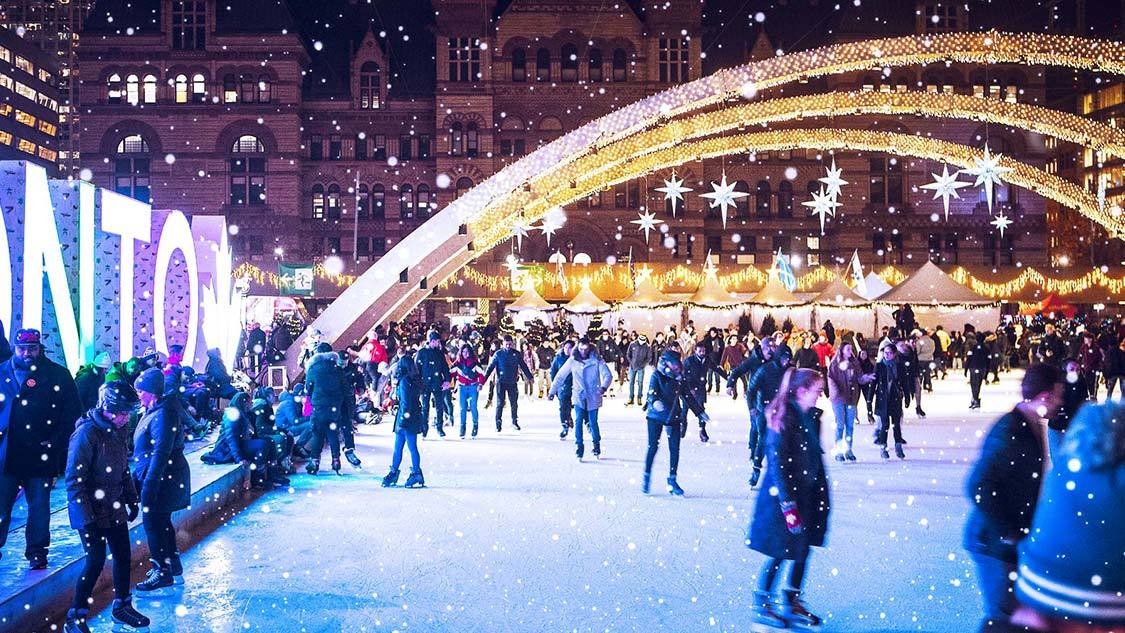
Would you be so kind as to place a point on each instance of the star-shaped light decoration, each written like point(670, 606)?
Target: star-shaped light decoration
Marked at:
point(724, 196)
point(548, 227)
point(647, 222)
point(519, 231)
point(512, 263)
point(944, 186)
point(988, 172)
point(643, 273)
point(833, 181)
point(822, 205)
point(1001, 222)
point(674, 190)
point(709, 267)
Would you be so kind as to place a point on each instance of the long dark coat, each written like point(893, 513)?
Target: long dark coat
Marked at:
point(159, 466)
point(408, 391)
point(36, 419)
point(795, 468)
point(889, 395)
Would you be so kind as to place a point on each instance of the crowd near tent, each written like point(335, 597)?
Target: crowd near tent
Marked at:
point(843, 307)
point(648, 309)
point(776, 300)
point(581, 309)
point(938, 300)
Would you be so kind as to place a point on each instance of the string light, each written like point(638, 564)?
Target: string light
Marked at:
point(266, 278)
point(1094, 279)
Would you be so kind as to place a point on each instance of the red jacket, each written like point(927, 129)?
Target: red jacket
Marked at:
point(468, 373)
point(823, 352)
point(374, 352)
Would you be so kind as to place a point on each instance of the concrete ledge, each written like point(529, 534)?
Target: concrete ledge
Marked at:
point(35, 600)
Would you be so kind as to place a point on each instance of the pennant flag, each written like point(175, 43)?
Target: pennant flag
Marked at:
point(784, 271)
point(857, 275)
point(295, 279)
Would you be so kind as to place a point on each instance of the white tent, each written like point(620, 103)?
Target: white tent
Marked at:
point(938, 300)
point(581, 309)
point(844, 308)
point(648, 309)
point(530, 305)
point(712, 305)
point(777, 300)
point(876, 287)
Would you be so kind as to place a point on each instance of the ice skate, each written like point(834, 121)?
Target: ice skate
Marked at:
point(766, 614)
point(795, 612)
point(899, 452)
point(597, 450)
point(158, 577)
point(646, 483)
point(415, 480)
point(76, 621)
point(350, 455)
point(391, 479)
point(755, 476)
point(674, 488)
point(128, 618)
point(336, 465)
point(313, 467)
point(703, 437)
point(883, 453)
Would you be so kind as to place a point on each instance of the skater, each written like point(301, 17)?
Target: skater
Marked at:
point(1003, 490)
point(354, 384)
point(666, 406)
point(845, 380)
point(760, 391)
point(638, 356)
point(566, 392)
point(697, 370)
point(889, 398)
point(101, 501)
point(508, 366)
point(787, 524)
point(867, 389)
point(977, 361)
point(470, 376)
point(434, 370)
point(1076, 394)
point(408, 421)
point(592, 378)
point(324, 388)
point(163, 475)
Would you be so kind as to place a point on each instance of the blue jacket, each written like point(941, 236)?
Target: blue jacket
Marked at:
point(288, 412)
point(508, 364)
point(432, 366)
point(567, 388)
point(408, 392)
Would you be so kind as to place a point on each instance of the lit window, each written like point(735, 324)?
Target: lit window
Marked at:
point(6, 82)
point(25, 65)
point(180, 85)
point(369, 86)
point(247, 172)
point(131, 168)
point(132, 90)
point(47, 128)
point(25, 118)
point(150, 89)
point(265, 89)
point(48, 154)
point(198, 88)
point(27, 146)
point(26, 91)
point(5, 54)
point(230, 89)
point(6, 138)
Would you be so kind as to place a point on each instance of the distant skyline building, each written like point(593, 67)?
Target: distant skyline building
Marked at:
point(29, 103)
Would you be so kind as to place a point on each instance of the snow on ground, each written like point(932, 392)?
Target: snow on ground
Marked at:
point(514, 534)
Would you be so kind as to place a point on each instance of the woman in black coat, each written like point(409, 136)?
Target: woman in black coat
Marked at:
point(889, 399)
point(163, 476)
point(786, 525)
point(408, 420)
point(666, 405)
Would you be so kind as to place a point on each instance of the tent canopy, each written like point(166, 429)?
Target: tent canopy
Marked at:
point(775, 294)
point(529, 300)
point(711, 294)
point(838, 293)
point(876, 287)
point(586, 302)
point(930, 286)
point(647, 295)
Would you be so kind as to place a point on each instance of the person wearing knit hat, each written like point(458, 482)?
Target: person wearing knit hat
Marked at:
point(101, 502)
point(1070, 568)
point(666, 404)
point(90, 377)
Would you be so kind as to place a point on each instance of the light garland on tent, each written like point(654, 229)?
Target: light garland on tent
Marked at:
point(1096, 278)
point(266, 278)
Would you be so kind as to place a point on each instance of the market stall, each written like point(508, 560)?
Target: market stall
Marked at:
point(529, 306)
point(845, 308)
point(648, 310)
point(875, 287)
point(775, 300)
point(936, 299)
point(712, 305)
point(581, 309)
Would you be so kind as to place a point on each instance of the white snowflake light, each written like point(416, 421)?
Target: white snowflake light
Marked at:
point(833, 181)
point(519, 231)
point(674, 190)
point(724, 196)
point(1001, 222)
point(646, 221)
point(988, 172)
point(823, 205)
point(944, 186)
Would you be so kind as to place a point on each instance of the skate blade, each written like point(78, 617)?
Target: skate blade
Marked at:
point(121, 627)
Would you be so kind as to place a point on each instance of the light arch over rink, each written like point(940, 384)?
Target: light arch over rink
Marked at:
point(406, 274)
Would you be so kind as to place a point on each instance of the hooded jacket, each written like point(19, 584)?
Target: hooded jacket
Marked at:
point(408, 391)
point(36, 418)
point(591, 378)
point(158, 458)
point(324, 382)
point(668, 398)
point(98, 483)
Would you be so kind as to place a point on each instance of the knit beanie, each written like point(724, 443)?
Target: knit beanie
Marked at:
point(116, 397)
point(151, 380)
point(103, 360)
point(323, 348)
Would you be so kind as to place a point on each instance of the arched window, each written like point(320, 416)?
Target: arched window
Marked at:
point(595, 64)
point(378, 200)
point(406, 201)
point(519, 65)
point(542, 65)
point(332, 206)
point(149, 89)
point(812, 188)
point(230, 88)
point(362, 203)
point(472, 140)
point(247, 172)
point(116, 90)
point(464, 184)
point(198, 88)
point(369, 78)
point(181, 87)
point(132, 90)
point(762, 199)
point(248, 89)
point(742, 204)
point(318, 202)
point(785, 199)
point(569, 63)
point(131, 165)
point(619, 65)
point(265, 89)
point(457, 139)
point(423, 204)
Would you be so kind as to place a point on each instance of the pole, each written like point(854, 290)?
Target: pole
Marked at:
point(355, 221)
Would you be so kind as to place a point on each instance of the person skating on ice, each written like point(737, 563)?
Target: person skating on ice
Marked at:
point(508, 365)
point(592, 378)
point(889, 399)
point(434, 371)
point(667, 402)
point(566, 392)
point(761, 390)
point(470, 375)
point(408, 420)
point(697, 369)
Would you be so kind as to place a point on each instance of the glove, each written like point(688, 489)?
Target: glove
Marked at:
point(792, 519)
point(132, 510)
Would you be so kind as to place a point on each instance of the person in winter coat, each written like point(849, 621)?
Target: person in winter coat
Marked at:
point(470, 375)
point(544, 356)
point(508, 366)
point(434, 370)
point(805, 357)
point(867, 389)
point(288, 419)
point(101, 501)
point(696, 370)
point(977, 361)
point(324, 388)
point(823, 351)
point(889, 399)
point(926, 350)
point(1090, 362)
point(90, 377)
point(1114, 368)
point(761, 391)
point(408, 420)
point(1003, 489)
point(38, 406)
point(639, 356)
point(531, 359)
point(163, 474)
point(1076, 393)
point(714, 340)
point(592, 378)
point(566, 391)
point(845, 380)
point(788, 523)
point(733, 355)
point(908, 373)
point(1051, 347)
point(666, 405)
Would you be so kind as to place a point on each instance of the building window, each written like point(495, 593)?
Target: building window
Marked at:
point(464, 59)
point(812, 256)
point(635, 194)
point(318, 202)
point(198, 88)
point(247, 172)
point(378, 200)
point(519, 65)
point(230, 89)
point(248, 89)
point(456, 139)
point(542, 65)
point(886, 181)
point(952, 249)
point(332, 245)
point(25, 65)
point(189, 24)
point(619, 64)
point(406, 202)
point(933, 248)
point(404, 147)
point(715, 244)
point(362, 203)
point(464, 184)
point(369, 86)
point(316, 147)
point(181, 87)
point(785, 199)
point(116, 89)
point(762, 194)
point(335, 147)
point(265, 89)
point(742, 203)
point(424, 202)
point(595, 64)
point(132, 90)
point(681, 246)
point(619, 195)
point(879, 246)
point(149, 89)
point(569, 63)
point(131, 168)
point(472, 140)
point(332, 202)
point(673, 60)
point(896, 249)
point(380, 147)
point(361, 146)
point(424, 143)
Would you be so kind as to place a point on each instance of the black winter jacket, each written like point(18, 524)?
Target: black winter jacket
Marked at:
point(765, 382)
point(324, 382)
point(889, 395)
point(695, 375)
point(432, 367)
point(668, 400)
point(36, 419)
point(508, 365)
point(98, 460)
point(747, 367)
point(567, 388)
point(159, 467)
point(88, 380)
point(408, 392)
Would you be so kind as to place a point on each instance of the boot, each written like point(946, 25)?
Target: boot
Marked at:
point(703, 437)
point(76, 621)
point(350, 455)
point(516, 425)
point(277, 478)
point(646, 483)
point(765, 612)
point(839, 457)
point(158, 577)
point(597, 450)
point(755, 476)
point(580, 451)
point(674, 488)
point(391, 479)
point(795, 611)
point(883, 453)
point(850, 456)
point(177, 568)
point(313, 467)
point(124, 613)
point(415, 480)
point(899, 452)
point(336, 465)
point(565, 432)
point(920, 412)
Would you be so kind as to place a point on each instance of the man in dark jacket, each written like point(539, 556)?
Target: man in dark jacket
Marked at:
point(325, 387)
point(697, 370)
point(90, 377)
point(639, 355)
point(39, 404)
point(760, 391)
point(508, 365)
point(434, 370)
point(217, 371)
point(890, 396)
point(1051, 348)
point(978, 358)
point(1003, 490)
point(566, 392)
